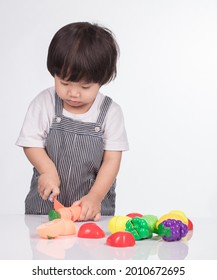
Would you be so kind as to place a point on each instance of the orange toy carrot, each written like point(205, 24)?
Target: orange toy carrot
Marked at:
point(75, 212)
point(70, 213)
point(57, 204)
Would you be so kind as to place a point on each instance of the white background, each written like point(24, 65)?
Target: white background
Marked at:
point(166, 86)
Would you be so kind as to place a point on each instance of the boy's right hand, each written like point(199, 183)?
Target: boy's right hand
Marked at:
point(48, 183)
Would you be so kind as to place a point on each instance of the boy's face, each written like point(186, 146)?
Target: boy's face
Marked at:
point(77, 96)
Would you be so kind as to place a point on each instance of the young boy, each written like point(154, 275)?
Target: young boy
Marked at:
point(72, 134)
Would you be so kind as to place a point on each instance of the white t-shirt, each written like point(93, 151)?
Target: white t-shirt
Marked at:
point(41, 112)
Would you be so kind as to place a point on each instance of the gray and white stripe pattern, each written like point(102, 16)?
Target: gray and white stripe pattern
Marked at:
point(76, 148)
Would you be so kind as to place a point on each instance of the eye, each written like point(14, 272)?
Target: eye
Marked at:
point(64, 83)
point(85, 87)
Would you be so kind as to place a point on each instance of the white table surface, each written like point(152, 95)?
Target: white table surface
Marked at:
point(19, 241)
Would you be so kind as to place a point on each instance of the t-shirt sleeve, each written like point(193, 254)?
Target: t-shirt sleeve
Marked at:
point(37, 122)
point(115, 136)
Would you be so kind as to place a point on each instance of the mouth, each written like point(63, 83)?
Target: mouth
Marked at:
point(73, 103)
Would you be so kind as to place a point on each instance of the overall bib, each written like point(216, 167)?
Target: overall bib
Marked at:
point(76, 148)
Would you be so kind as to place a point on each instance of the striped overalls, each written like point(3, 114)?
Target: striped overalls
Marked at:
point(76, 148)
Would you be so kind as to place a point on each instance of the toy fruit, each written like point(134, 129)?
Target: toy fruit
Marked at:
point(172, 230)
point(174, 216)
point(133, 215)
point(117, 223)
point(121, 239)
point(151, 220)
point(181, 213)
point(90, 230)
point(51, 229)
point(139, 228)
point(190, 224)
point(53, 214)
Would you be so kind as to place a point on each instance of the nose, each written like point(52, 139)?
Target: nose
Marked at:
point(73, 91)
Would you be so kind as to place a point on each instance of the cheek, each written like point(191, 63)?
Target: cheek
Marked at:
point(59, 90)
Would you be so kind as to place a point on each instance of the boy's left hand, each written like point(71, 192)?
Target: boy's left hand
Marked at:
point(90, 207)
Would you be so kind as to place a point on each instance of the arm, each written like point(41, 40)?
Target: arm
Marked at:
point(91, 203)
point(48, 181)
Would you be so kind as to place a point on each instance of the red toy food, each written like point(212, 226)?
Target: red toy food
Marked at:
point(121, 239)
point(133, 215)
point(190, 224)
point(90, 230)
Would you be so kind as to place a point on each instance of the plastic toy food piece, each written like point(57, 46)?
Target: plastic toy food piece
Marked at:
point(181, 213)
point(53, 214)
point(121, 239)
point(75, 212)
point(118, 223)
point(133, 215)
point(90, 230)
point(190, 225)
point(151, 220)
point(172, 230)
point(55, 228)
point(57, 204)
point(51, 229)
point(68, 228)
point(64, 213)
point(174, 216)
point(139, 228)
point(70, 213)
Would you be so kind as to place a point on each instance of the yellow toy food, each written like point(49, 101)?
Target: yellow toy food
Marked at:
point(175, 214)
point(118, 223)
point(179, 212)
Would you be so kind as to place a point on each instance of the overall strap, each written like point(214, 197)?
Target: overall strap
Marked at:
point(104, 109)
point(58, 105)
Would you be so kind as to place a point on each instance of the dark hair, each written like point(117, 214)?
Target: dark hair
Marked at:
point(83, 51)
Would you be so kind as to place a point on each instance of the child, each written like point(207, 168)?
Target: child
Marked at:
point(72, 134)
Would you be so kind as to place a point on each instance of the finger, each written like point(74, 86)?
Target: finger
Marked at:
point(97, 217)
point(83, 215)
point(46, 194)
point(77, 203)
point(55, 192)
point(41, 191)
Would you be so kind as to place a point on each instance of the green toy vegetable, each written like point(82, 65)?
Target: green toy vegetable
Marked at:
point(53, 215)
point(151, 221)
point(139, 228)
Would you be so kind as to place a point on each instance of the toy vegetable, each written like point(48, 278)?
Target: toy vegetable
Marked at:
point(151, 221)
point(55, 228)
point(53, 214)
point(90, 230)
point(121, 239)
point(70, 213)
point(139, 228)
